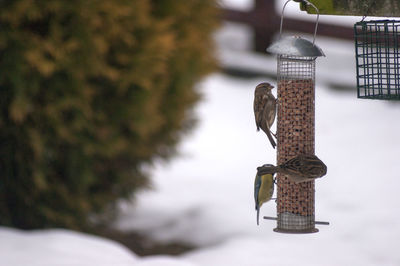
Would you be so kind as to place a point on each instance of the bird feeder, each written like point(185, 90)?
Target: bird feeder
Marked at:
point(377, 45)
point(295, 127)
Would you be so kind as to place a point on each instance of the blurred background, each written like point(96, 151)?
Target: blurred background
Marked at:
point(131, 122)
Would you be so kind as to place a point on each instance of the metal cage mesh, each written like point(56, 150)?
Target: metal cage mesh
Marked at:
point(296, 131)
point(377, 58)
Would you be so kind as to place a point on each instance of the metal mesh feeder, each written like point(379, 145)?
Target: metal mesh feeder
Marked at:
point(295, 128)
point(377, 58)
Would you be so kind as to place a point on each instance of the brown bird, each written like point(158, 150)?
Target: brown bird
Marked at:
point(302, 168)
point(265, 109)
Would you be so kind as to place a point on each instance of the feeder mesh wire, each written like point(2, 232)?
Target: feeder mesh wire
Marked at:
point(296, 131)
point(377, 58)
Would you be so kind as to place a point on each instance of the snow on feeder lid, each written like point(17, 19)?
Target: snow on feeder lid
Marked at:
point(296, 55)
point(295, 46)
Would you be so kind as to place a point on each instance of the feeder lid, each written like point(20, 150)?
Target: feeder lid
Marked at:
point(295, 46)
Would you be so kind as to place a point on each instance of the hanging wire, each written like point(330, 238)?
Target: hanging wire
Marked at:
point(363, 18)
point(368, 9)
point(307, 3)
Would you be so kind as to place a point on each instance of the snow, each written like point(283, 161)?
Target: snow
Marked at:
point(59, 247)
point(204, 197)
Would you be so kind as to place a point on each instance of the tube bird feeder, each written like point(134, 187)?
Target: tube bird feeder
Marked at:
point(295, 127)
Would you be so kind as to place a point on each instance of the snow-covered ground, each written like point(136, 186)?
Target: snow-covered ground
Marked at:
point(59, 247)
point(205, 196)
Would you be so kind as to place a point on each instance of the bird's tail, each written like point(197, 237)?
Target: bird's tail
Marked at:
point(258, 214)
point(270, 138)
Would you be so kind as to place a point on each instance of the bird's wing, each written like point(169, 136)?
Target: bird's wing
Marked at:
point(257, 186)
point(313, 166)
point(259, 107)
point(274, 113)
point(270, 110)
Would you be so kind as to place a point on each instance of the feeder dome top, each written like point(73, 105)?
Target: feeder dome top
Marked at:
point(295, 46)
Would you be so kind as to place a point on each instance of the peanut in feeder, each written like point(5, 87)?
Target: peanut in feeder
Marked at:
point(295, 127)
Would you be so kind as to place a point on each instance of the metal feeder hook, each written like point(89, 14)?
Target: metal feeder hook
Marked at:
point(307, 3)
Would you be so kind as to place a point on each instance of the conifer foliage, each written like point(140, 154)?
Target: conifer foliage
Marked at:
point(89, 92)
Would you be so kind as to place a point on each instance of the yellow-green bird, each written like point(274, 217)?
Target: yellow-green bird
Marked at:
point(263, 189)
